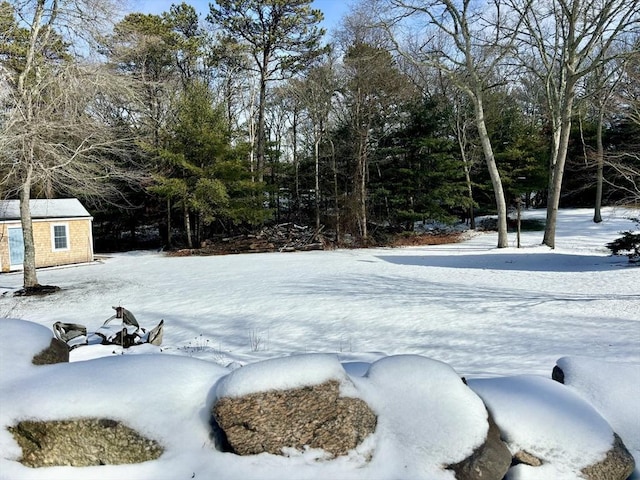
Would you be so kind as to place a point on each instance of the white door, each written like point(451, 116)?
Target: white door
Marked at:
point(16, 248)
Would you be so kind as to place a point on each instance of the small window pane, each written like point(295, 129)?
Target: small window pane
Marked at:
point(60, 237)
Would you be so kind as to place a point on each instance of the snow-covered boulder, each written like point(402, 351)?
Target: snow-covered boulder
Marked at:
point(607, 386)
point(56, 352)
point(618, 463)
point(491, 460)
point(430, 424)
point(299, 402)
point(22, 341)
point(553, 430)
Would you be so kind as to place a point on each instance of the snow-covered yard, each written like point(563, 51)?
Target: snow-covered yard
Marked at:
point(491, 315)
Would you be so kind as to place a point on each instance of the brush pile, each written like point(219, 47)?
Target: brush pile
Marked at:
point(285, 237)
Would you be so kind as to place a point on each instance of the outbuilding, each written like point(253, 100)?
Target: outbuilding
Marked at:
point(62, 233)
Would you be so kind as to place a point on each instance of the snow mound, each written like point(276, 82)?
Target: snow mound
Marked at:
point(548, 420)
point(283, 373)
point(19, 342)
point(609, 387)
point(427, 417)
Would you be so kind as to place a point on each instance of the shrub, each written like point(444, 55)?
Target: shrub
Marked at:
point(628, 244)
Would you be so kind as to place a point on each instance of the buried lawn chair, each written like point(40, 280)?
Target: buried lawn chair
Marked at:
point(128, 332)
point(73, 334)
point(125, 333)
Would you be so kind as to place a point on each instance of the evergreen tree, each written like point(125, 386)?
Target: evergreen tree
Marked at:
point(419, 175)
point(520, 148)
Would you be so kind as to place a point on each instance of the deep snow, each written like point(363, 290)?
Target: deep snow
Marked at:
point(491, 315)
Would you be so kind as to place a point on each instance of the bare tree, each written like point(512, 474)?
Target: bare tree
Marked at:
point(625, 175)
point(460, 125)
point(601, 86)
point(624, 164)
point(628, 93)
point(314, 93)
point(563, 41)
point(55, 135)
point(468, 42)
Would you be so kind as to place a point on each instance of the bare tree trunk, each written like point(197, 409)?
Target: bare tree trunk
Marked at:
point(335, 190)
point(501, 204)
point(29, 264)
point(471, 63)
point(36, 39)
point(462, 142)
point(467, 178)
point(597, 213)
point(363, 206)
point(361, 188)
point(187, 223)
point(296, 166)
point(555, 184)
point(198, 229)
point(316, 152)
point(261, 133)
point(30, 278)
point(169, 240)
point(252, 135)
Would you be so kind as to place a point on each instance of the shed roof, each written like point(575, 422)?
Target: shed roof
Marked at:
point(49, 208)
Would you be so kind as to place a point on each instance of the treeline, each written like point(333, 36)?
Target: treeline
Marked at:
point(175, 128)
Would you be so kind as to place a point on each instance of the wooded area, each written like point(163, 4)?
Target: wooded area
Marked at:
point(174, 128)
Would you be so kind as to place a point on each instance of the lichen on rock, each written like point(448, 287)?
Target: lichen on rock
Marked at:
point(82, 442)
point(312, 416)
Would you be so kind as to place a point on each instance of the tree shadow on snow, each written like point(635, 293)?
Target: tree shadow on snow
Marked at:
point(538, 262)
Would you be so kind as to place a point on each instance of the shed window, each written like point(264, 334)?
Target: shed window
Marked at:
point(60, 237)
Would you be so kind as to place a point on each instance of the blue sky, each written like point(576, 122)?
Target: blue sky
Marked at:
point(333, 10)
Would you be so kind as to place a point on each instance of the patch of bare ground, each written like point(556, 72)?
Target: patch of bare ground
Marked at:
point(416, 240)
point(37, 290)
